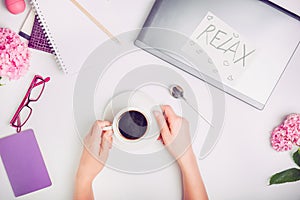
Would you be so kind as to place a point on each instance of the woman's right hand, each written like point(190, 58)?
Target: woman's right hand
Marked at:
point(97, 144)
point(175, 134)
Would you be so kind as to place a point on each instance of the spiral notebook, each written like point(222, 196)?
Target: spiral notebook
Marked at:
point(38, 39)
point(73, 36)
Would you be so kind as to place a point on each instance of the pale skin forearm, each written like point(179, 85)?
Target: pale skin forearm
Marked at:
point(83, 189)
point(84, 180)
point(193, 186)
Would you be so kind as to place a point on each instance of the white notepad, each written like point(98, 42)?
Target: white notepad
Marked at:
point(73, 36)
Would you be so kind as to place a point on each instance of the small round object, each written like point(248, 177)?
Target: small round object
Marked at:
point(176, 91)
point(15, 6)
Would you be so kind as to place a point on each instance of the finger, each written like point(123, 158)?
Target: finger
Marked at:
point(93, 139)
point(93, 135)
point(109, 135)
point(103, 151)
point(169, 113)
point(110, 138)
point(164, 129)
point(106, 141)
point(96, 130)
point(86, 142)
point(109, 144)
point(102, 124)
point(108, 132)
point(159, 137)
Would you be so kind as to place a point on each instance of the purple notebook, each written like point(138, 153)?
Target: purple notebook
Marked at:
point(38, 39)
point(24, 163)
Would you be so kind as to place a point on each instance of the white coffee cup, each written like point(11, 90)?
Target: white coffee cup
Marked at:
point(126, 118)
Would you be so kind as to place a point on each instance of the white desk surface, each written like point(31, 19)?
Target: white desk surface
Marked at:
point(238, 168)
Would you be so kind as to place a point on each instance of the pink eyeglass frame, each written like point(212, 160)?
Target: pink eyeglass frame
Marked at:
point(16, 121)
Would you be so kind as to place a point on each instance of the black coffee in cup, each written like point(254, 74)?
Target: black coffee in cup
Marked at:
point(132, 125)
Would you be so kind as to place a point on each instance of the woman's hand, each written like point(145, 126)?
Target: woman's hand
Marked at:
point(175, 133)
point(97, 144)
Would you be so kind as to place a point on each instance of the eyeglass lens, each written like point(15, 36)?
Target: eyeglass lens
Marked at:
point(23, 116)
point(36, 91)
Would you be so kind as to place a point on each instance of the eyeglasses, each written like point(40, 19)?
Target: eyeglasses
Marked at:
point(33, 94)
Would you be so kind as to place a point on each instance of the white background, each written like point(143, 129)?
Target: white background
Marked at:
point(238, 168)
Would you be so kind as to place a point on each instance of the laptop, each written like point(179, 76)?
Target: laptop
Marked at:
point(272, 35)
point(290, 7)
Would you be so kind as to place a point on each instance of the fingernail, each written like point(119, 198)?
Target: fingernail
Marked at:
point(156, 113)
point(110, 134)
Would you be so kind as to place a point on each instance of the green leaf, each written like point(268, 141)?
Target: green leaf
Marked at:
point(296, 157)
point(289, 175)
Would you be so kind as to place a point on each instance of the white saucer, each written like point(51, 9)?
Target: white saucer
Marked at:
point(141, 101)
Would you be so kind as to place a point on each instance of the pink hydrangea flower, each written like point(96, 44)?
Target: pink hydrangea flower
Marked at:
point(14, 55)
point(287, 134)
point(280, 139)
point(292, 125)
